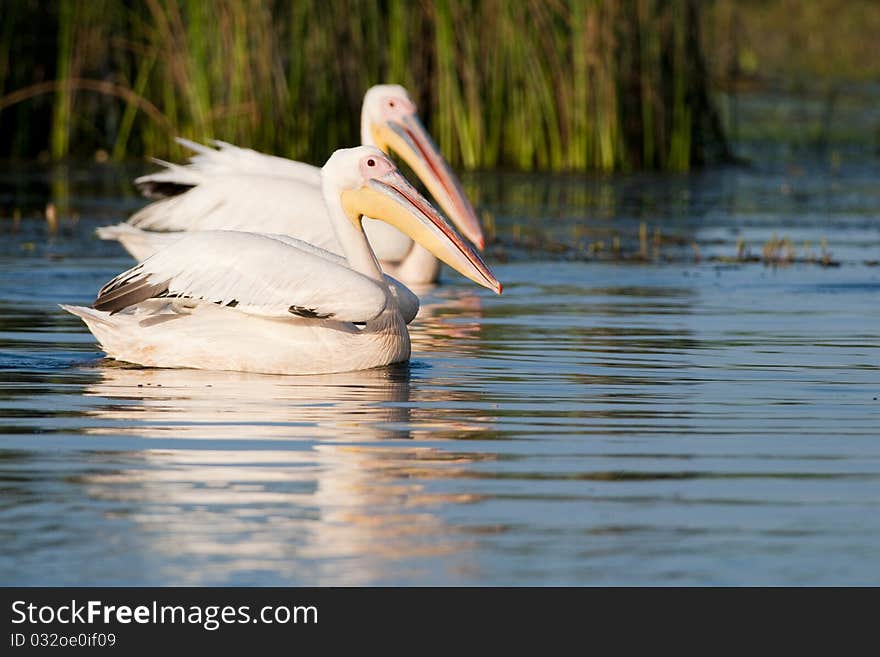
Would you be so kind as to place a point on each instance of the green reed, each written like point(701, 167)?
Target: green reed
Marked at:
point(527, 84)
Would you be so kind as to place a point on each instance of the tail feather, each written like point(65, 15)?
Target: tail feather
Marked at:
point(112, 335)
point(196, 147)
point(224, 159)
point(141, 244)
point(173, 180)
point(114, 232)
point(89, 315)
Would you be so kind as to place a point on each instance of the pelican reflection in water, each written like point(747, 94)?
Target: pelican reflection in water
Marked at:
point(293, 476)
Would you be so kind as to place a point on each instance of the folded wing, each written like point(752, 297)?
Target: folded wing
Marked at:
point(407, 300)
point(260, 204)
point(257, 274)
point(224, 160)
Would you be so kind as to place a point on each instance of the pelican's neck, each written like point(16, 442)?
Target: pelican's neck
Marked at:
point(366, 133)
point(351, 238)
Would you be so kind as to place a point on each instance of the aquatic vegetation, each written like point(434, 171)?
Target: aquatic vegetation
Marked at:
point(569, 84)
point(780, 252)
point(653, 245)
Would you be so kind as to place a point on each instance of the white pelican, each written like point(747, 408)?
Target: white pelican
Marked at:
point(239, 189)
point(253, 302)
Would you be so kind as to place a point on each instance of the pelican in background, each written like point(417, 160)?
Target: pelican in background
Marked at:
point(252, 302)
point(233, 188)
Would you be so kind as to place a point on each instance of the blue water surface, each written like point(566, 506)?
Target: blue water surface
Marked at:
point(678, 421)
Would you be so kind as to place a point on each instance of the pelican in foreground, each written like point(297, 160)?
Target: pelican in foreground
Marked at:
point(252, 302)
point(233, 188)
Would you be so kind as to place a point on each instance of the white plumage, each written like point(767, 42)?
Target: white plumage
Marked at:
point(227, 159)
point(260, 204)
point(266, 275)
point(275, 304)
point(233, 188)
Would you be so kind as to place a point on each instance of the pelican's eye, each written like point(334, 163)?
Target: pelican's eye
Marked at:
point(373, 166)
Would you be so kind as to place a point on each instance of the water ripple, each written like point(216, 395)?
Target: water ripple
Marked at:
point(598, 424)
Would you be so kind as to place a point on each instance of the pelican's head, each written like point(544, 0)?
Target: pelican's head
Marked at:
point(368, 184)
point(390, 121)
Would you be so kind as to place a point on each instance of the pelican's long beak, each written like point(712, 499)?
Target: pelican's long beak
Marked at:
point(408, 138)
point(393, 200)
